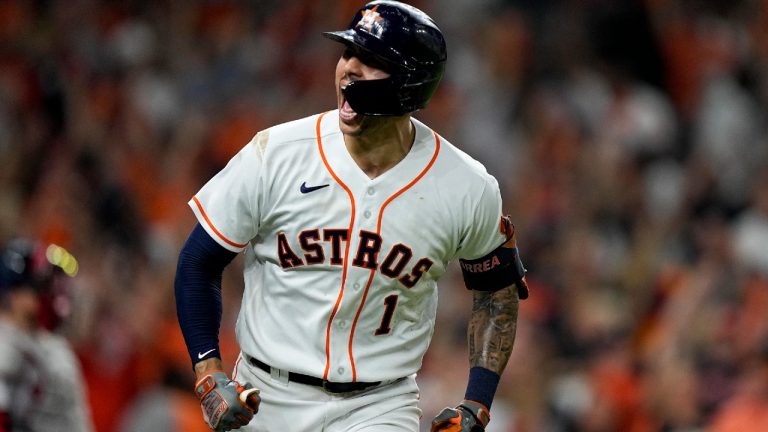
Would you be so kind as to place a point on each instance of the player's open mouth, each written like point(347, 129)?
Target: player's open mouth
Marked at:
point(346, 113)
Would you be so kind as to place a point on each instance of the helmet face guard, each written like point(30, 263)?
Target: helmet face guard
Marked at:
point(375, 97)
point(408, 43)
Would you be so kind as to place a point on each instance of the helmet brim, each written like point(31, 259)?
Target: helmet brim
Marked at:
point(371, 45)
point(343, 36)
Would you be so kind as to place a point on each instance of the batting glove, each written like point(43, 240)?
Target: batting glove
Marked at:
point(469, 416)
point(226, 404)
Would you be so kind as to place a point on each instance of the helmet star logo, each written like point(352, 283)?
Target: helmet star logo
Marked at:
point(370, 22)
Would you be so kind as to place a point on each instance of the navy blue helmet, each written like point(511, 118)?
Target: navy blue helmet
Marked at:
point(29, 264)
point(22, 263)
point(410, 46)
point(25, 262)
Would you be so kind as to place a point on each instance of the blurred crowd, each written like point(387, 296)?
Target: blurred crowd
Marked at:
point(629, 138)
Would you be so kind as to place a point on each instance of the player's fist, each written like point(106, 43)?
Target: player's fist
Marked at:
point(469, 416)
point(226, 404)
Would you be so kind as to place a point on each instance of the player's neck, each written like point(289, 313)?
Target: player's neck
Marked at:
point(22, 321)
point(380, 149)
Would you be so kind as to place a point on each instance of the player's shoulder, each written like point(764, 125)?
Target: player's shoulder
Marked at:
point(464, 169)
point(53, 342)
point(283, 137)
point(15, 344)
point(298, 130)
point(56, 346)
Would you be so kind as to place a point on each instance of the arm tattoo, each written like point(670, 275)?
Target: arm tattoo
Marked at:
point(492, 328)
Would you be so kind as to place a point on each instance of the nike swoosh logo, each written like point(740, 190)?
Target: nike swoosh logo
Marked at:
point(307, 189)
point(201, 355)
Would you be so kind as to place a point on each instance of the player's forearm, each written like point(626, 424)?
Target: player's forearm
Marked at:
point(208, 365)
point(492, 328)
point(197, 289)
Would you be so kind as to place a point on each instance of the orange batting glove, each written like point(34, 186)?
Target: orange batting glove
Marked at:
point(226, 404)
point(468, 416)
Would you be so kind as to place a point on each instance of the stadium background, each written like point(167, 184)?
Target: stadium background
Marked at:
point(629, 139)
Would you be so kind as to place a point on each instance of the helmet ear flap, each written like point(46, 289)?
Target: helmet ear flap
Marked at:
point(418, 89)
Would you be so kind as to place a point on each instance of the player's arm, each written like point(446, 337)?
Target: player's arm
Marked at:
point(198, 297)
point(491, 334)
point(226, 405)
point(498, 283)
point(492, 328)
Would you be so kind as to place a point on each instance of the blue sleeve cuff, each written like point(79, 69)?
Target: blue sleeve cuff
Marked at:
point(481, 386)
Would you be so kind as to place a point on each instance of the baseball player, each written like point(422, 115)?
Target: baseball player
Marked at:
point(347, 219)
point(41, 387)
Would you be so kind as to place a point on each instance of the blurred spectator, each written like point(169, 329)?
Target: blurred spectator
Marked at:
point(747, 409)
point(41, 387)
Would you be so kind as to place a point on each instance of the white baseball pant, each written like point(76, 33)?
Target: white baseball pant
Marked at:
point(293, 407)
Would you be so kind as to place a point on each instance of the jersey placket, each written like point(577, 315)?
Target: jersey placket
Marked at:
point(368, 202)
point(338, 367)
point(357, 283)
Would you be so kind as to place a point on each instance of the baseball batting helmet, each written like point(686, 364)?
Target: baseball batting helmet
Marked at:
point(32, 264)
point(408, 43)
point(23, 263)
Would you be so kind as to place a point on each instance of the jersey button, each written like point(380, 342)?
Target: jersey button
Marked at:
point(340, 370)
point(371, 191)
point(367, 214)
point(342, 324)
point(356, 286)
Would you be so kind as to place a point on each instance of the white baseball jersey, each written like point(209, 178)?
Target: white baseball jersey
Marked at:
point(341, 269)
point(41, 386)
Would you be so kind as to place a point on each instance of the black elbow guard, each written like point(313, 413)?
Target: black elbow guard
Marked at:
point(500, 268)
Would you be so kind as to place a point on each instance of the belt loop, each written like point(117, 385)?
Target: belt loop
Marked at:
point(279, 375)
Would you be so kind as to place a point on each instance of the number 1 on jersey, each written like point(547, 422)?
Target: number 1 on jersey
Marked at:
point(390, 302)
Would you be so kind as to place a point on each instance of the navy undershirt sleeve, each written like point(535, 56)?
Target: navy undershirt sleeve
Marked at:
point(198, 293)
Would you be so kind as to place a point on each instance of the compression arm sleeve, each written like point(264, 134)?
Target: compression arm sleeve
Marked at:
point(198, 293)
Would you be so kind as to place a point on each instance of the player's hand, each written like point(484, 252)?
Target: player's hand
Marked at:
point(226, 404)
point(469, 416)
